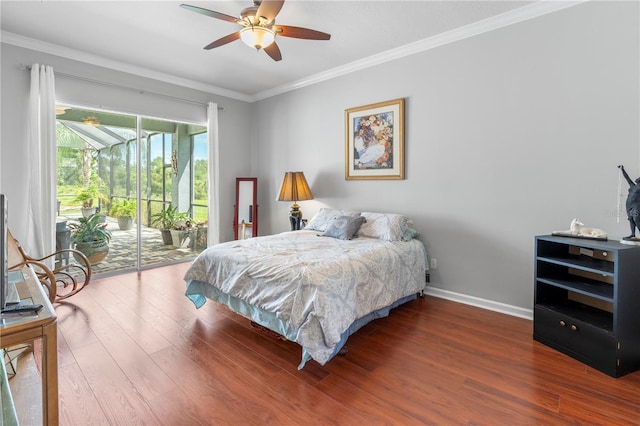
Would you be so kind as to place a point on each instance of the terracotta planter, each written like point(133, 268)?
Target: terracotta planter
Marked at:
point(95, 251)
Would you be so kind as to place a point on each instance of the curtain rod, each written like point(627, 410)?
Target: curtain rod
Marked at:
point(133, 89)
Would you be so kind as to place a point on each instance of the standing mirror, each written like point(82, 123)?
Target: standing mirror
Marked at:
point(245, 217)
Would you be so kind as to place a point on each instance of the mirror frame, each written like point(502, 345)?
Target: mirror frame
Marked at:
point(254, 209)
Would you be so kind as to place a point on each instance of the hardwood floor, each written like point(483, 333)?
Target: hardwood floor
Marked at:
point(136, 351)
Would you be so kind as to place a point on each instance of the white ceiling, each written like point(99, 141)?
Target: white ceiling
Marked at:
point(161, 40)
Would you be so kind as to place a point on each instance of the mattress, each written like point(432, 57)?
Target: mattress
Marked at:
point(311, 289)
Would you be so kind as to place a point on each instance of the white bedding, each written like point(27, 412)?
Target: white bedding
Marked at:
point(316, 286)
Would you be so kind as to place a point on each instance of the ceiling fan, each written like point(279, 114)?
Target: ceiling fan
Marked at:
point(258, 27)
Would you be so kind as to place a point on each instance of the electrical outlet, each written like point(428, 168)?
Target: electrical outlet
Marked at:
point(434, 264)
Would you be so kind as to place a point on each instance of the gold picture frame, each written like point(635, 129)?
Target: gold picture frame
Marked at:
point(374, 141)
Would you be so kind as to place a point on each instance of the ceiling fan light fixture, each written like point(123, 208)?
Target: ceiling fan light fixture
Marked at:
point(258, 27)
point(257, 36)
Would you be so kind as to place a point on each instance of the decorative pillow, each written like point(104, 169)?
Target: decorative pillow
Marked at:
point(344, 227)
point(384, 226)
point(321, 221)
point(409, 234)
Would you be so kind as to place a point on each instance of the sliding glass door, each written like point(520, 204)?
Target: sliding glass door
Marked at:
point(153, 172)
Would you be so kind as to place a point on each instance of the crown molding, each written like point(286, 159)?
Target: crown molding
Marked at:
point(77, 55)
point(531, 11)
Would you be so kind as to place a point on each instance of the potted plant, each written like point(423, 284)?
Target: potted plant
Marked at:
point(167, 219)
point(89, 194)
point(125, 211)
point(182, 229)
point(91, 238)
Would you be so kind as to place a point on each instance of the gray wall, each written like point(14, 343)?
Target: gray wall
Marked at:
point(235, 135)
point(509, 134)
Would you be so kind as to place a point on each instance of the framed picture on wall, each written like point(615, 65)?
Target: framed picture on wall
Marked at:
point(374, 146)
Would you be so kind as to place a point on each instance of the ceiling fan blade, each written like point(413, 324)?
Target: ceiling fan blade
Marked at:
point(299, 32)
point(222, 41)
point(269, 9)
point(273, 51)
point(210, 13)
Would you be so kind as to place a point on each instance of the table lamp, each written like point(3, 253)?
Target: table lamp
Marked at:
point(295, 188)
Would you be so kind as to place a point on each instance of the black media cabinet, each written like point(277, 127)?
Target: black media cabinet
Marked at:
point(587, 301)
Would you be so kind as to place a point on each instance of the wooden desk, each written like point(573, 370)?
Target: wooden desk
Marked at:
point(25, 329)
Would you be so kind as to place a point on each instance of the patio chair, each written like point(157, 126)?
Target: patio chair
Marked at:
point(63, 281)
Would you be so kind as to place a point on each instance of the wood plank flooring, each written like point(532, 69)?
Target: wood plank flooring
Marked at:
point(134, 350)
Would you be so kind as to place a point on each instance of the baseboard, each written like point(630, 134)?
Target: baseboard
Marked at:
point(480, 303)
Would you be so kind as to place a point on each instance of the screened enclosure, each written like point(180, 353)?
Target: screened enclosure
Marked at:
point(99, 164)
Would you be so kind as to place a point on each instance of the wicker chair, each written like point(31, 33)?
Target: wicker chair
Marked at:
point(63, 281)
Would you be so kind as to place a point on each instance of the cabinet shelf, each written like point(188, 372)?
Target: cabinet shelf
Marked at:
point(584, 286)
point(584, 263)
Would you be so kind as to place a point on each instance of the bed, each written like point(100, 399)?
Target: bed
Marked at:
point(316, 286)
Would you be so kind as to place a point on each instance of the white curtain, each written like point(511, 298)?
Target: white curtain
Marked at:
point(41, 173)
point(213, 235)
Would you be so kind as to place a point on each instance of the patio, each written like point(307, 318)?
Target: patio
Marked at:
point(123, 249)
